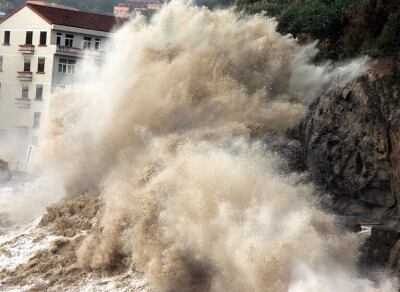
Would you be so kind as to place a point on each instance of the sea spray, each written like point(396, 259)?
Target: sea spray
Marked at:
point(171, 132)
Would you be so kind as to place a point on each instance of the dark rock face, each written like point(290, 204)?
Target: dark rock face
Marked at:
point(352, 145)
point(5, 173)
point(379, 249)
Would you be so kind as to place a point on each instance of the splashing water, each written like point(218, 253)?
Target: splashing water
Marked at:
point(171, 133)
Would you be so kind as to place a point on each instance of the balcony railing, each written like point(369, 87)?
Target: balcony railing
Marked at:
point(26, 49)
point(23, 102)
point(70, 50)
point(78, 51)
point(24, 76)
point(21, 130)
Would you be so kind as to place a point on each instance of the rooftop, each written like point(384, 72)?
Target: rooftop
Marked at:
point(57, 14)
point(52, 5)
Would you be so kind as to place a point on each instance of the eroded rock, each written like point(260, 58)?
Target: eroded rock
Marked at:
point(351, 141)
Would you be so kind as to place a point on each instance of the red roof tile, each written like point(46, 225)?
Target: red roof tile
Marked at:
point(67, 17)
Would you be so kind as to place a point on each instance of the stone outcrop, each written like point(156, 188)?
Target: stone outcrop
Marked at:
point(352, 143)
point(381, 249)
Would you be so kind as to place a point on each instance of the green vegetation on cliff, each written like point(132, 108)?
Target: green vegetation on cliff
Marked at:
point(345, 28)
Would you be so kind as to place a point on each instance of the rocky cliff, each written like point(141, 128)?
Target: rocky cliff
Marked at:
point(352, 143)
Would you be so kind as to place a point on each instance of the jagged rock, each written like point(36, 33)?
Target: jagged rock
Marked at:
point(5, 173)
point(351, 141)
point(290, 150)
point(379, 249)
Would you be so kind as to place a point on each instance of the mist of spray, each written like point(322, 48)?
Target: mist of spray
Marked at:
point(190, 199)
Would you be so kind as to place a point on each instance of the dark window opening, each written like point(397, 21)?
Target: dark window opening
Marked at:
point(39, 91)
point(29, 35)
point(27, 65)
point(25, 91)
point(87, 41)
point(59, 36)
point(40, 67)
point(97, 44)
point(6, 37)
point(69, 40)
point(43, 38)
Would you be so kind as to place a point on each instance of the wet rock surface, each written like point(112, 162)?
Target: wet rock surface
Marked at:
point(351, 140)
point(380, 244)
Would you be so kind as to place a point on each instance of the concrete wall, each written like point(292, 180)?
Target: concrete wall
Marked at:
point(12, 115)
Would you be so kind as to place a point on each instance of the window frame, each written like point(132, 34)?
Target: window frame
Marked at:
point(41, 65)
point(43, 38)
point(7, 37)
point(69, 40)
point(39, 92)
point(97, 44)
point(29, 38)
point(66, 66)
point(27, 61)
point(59, 39)
point(25, 91)
point(87, 42)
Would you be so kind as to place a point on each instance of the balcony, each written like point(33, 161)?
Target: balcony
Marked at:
point(23, 102)
point(26, 49)
point(24, 76)
point(69, 50)
point(21, 130)
point(79, 52)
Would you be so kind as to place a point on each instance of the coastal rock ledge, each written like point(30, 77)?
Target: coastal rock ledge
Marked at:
point(352, 143)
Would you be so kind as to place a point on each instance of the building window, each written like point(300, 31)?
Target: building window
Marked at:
point(25, 91)
point(87, 41)
point(27, 65)
point(43, 38)
point(39, 91)
point(59, 37)
point(35, 141)
point(66, 66)
point(1, 63)
point(7, 37)
point(29, 35)
point(40, 66)
point(97, 44)
point(36, 120)
point(69, 40)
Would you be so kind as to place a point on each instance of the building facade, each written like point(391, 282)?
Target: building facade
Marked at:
point(40, 47)
point(128, 8)
point(122, 11)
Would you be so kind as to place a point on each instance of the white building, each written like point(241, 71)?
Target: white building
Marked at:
point(39, 49)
